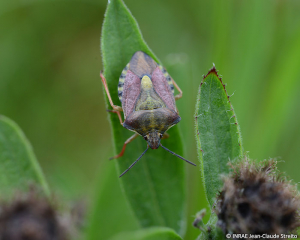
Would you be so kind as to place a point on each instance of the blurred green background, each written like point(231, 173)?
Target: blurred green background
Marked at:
point(49, 84)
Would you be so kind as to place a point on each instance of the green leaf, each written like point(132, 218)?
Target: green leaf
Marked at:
point(155, 185)
point(18, 164)
point(217, 133)
point(154, 233)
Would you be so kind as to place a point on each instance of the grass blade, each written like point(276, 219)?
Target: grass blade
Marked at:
point(217, 132)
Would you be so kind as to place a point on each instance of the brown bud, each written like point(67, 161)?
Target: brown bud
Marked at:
point(255, 199)
point(30, 217)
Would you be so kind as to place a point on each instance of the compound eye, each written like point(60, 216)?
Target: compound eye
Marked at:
point(145, 137)
point(160, 135)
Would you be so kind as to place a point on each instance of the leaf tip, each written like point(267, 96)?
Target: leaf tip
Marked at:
point(213, 70)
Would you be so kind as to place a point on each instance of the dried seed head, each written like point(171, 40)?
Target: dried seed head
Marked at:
point(256, 199)
point(29, 217)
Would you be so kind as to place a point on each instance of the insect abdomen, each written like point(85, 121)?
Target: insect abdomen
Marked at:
point(121, 81)
point(167, 76)
point(144, 121)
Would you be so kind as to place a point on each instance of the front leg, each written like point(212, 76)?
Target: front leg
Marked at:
point(165, 136)
point(134, 136)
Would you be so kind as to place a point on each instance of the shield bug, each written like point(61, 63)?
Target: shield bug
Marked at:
point(146, 92)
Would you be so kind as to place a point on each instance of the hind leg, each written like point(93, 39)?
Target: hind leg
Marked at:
point(116, 109)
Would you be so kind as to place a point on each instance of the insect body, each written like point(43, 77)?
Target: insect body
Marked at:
point(146, 92)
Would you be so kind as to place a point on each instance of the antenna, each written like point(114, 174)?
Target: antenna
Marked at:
point(178, 155)
point(134, 162)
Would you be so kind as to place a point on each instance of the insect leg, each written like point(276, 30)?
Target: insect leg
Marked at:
point(134, 136)
point(118, 113)
point(165, 136)
point(178, 96)
point(116, 109)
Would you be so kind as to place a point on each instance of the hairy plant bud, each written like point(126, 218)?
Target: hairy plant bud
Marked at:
point(255, 199)
point(30, 217)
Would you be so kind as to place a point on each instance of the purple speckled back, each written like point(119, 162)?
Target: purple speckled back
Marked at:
point(131, 91)
point(163, 89)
